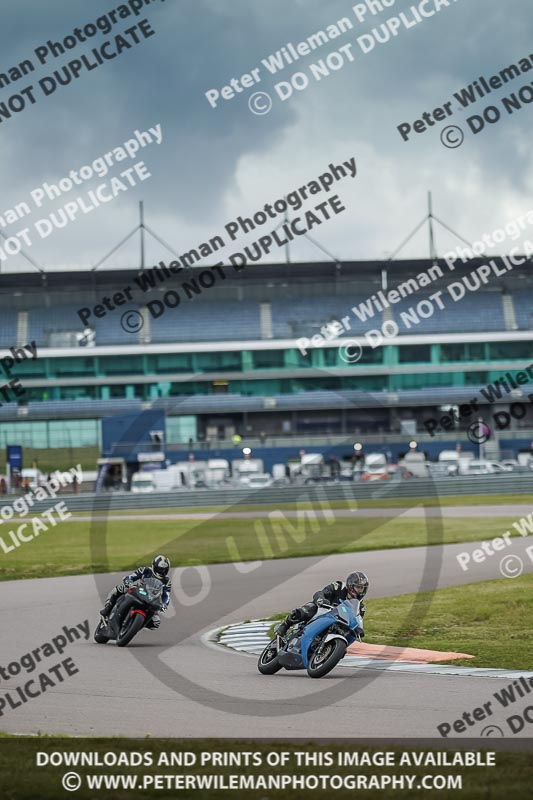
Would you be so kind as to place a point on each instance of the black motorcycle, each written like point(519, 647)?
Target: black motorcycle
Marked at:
point(131, 613)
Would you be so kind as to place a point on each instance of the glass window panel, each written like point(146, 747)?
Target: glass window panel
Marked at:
point(415, 354)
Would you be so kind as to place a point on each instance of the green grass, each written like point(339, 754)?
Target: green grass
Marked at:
point(489, 620)
point(118, 545)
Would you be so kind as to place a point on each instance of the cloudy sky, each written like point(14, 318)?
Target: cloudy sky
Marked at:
point(215, 164)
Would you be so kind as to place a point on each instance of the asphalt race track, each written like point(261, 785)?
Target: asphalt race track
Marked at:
point(173, 683)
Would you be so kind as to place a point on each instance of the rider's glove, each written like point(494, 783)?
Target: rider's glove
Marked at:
point(320, 601)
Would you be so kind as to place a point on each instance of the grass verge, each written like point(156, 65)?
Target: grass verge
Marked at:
point(65, 549)
point(489, 620)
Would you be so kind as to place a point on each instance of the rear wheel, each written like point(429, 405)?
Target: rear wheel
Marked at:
point(129, 628)
point(100, 637)
point(326, 657)
point(268, 662)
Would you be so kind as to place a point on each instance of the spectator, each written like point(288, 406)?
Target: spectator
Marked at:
point(3, 486)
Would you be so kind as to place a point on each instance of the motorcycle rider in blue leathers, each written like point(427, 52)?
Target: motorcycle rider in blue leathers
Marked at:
point(159, 569)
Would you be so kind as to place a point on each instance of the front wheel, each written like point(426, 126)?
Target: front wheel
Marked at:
point(268, 662)
point(326, 657)
point(129, 628)
point(100, 637)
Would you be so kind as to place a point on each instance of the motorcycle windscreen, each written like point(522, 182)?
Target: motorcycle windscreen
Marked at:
point(349, 611)
point(152, 587)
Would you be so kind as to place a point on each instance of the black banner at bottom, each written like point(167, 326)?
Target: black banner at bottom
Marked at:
point(56, 768)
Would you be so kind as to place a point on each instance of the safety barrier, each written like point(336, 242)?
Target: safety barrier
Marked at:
point(511, 483)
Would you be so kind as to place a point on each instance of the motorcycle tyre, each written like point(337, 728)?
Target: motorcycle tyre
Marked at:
point(331, 661)
point(270, 667)
point(136, 624)
point(100, 638)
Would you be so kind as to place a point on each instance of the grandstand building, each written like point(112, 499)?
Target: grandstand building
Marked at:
point(232, 358)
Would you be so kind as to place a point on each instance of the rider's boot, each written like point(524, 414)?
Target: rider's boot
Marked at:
point(110, 602)
point(290, 619)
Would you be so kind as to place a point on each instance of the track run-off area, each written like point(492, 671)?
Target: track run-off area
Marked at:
point(178, 682)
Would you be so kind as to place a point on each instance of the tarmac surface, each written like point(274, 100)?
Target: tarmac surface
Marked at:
point(173, 682)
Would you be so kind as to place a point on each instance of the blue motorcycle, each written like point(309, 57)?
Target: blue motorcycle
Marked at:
point(317, 645)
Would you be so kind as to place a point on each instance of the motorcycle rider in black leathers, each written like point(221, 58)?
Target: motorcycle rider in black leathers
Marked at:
point(159, 569)
point(356, 586)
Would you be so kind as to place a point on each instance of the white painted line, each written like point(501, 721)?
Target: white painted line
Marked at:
point(250, 643)
point(353, 662)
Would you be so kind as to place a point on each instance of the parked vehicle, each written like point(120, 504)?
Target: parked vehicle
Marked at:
point(415, 463)
point(243, 469)
point(160, 480)
point(312, 469)
point(188, 473)
point(217, 471)
point(279, 472)
point(482, 467)
point(142, 483)
point(498, 466)
point(441, 470)
point(457, 461)
point(514, 465)
point(375, 468)
point(260, 481)
point(34, 476)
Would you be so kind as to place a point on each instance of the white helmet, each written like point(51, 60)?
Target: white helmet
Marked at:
point(160, 566)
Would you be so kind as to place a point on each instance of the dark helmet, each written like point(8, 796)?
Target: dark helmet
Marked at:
point(160, 566)
point(357, 584)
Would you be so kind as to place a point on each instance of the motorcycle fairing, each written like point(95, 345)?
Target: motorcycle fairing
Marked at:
point(347, 611)
point(315, 627)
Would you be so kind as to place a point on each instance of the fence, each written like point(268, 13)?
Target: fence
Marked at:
point(387, 490)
